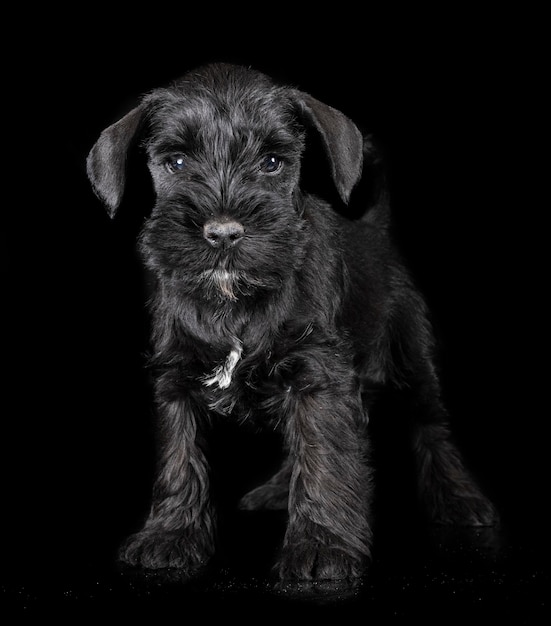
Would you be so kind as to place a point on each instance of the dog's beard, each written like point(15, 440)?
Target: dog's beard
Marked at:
point(230, 284)
point(221, 282)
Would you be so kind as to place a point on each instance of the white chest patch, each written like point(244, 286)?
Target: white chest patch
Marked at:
point(222, 374)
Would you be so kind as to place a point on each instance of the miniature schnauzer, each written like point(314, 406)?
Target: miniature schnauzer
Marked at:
point(272, 306)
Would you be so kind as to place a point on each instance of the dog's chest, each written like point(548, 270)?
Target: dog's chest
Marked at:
point(222, 375)
point(243, 386)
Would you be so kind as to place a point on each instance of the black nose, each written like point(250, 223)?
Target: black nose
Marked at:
point(223, 233)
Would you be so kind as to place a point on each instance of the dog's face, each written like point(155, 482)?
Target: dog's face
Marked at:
point(224, 157)
point(224, 148)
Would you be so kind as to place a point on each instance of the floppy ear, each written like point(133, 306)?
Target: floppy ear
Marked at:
point(341, 138)
point(106, 162)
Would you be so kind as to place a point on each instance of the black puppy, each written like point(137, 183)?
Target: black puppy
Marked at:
point(271, 307)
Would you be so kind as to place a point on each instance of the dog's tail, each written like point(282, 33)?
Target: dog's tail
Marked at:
point(379, 213)
point(374, 195)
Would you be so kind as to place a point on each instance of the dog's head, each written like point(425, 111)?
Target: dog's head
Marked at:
point(224, 146)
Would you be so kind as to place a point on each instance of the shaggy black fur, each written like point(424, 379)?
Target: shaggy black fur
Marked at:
point(272, 307)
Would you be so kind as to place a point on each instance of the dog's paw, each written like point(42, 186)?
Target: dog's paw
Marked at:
point(155, 550)
point(265, 497)
point(467, 508)
point(308, 561)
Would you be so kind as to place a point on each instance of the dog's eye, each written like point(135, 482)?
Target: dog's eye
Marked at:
point(271, 164)
point(175, 163)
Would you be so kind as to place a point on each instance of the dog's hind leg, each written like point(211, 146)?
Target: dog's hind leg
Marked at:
point(448, 491)
point(273, 494)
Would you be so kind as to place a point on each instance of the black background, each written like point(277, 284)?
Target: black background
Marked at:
point(454, 101)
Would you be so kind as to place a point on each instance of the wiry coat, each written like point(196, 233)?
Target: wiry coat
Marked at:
point(272, 307)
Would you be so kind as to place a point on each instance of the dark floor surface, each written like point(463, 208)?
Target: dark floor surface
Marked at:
point(437, 575)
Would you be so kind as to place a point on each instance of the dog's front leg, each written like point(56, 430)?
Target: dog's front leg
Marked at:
point(179, 531)
point(328, 535)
